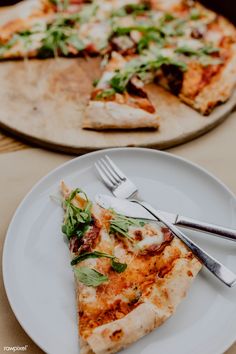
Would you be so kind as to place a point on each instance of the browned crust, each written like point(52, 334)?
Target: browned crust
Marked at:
point(101, 115)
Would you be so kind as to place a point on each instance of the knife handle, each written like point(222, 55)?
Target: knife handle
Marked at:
point(217, 230)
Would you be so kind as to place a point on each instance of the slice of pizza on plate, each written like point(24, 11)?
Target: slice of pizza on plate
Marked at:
point(130, 275)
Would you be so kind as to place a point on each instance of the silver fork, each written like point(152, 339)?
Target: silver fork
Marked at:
point(122, 187)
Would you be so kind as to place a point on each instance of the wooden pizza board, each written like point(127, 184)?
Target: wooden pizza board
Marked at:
point(43, 101)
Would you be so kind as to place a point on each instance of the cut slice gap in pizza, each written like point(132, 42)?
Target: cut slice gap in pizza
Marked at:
point(130, 275)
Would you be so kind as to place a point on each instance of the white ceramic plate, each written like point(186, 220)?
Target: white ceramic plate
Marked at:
point(39, 281)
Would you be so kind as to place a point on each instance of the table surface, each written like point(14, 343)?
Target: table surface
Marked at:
point(22, 166)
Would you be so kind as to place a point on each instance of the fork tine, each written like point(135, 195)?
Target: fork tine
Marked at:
point(116, 169)
point(104, 177)
point(107, 173)
point(112, 172)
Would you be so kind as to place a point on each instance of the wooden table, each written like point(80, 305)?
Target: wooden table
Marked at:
point(9, 144)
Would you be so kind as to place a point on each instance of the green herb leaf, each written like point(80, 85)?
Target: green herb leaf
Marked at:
point(95, 254)
point(59, 34)
point(195, 14)
point(105, 94)
point(77, 220)
point(150, 37)
point(60, 4)
point(117, 266)
point(209, 49)
point(136, 9)
point(206, 50)
point(95, 82)
point(90, 277)
point(120, 224)
point(187, 50)
point(140, 66)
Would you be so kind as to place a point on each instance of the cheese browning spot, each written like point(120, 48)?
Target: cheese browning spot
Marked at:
point(190, 274)
point(117, 335)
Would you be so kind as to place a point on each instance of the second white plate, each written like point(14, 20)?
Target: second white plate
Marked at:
point(36, 263)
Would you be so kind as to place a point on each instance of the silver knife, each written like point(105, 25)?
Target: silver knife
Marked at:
point(132, 210)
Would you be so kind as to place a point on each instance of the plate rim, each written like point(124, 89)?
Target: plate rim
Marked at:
point(13, 306)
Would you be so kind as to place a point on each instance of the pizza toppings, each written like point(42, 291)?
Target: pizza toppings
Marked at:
point(120, 225)
point(90, 277)
point(115, 264)
point(78, 215)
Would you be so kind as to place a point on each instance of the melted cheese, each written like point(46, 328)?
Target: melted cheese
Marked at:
point(214, 37)
point(191, 43)
point(95, 33)
point(150, 240)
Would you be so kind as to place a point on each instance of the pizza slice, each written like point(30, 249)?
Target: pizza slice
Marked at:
point(110, 107)
point(130, 275)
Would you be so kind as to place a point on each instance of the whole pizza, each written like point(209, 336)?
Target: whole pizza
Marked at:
point(179, 45)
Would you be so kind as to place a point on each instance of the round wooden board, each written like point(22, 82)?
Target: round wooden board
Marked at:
point(43, 101)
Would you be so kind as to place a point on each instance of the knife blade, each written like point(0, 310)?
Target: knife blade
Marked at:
point(132, 210)
point(127, 208)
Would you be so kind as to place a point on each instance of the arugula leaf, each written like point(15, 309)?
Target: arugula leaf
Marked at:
point(105, 93)
point(187, 50)
point(137, 67)
point(168, 17)
point(147, 38)
point(90, 277)
point(136, 9)
point(170, 26)
point(77, 220)
point(120, 224)
point(195, 14)
point(95, 82)
point(204, 53)
point(59, 34)
point(5, 47)
point(95, 254)
point(23, 36)
point(60, 4)
point(209, 49)
point(116, 265)
point(144, 28)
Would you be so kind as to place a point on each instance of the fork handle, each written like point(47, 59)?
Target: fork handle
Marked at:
point(217, 230)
